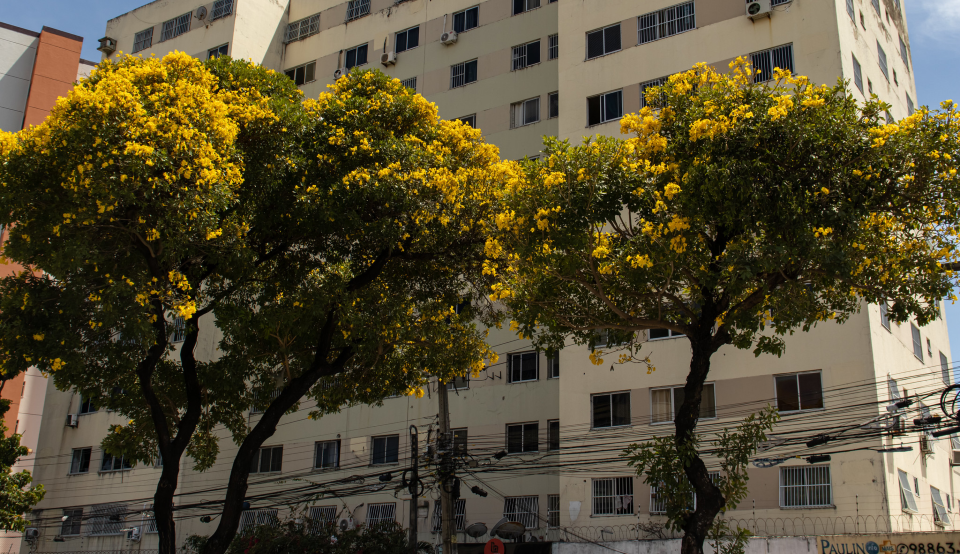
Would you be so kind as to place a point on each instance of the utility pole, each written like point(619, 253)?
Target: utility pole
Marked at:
point(414, 483)
point(445, 449)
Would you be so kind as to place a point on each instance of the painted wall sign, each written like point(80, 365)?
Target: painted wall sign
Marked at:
point(900, 543)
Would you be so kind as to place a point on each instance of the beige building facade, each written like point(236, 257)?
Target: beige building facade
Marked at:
point(542, 436)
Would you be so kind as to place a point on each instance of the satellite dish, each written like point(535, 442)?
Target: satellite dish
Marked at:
point(511, 530)
point(202, 13)
point(476, 530)
point(496, 526)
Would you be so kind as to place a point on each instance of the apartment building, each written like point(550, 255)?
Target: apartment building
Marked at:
point(541, 435)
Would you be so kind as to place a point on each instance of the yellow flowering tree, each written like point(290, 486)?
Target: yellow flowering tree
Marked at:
point(733, 213)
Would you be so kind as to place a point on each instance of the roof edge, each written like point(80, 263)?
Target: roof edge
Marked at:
point(16, 29)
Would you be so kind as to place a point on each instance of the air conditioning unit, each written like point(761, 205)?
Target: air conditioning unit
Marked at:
point(388, 58)
point(346, 524)
point(758, 9)
point(955, 458)
point(134, 534)
point(449, 37)
point(926, 445)
point(31, 533)
point(338, 73)
point(73, 420)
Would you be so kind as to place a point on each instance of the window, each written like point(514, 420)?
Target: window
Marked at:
point(113, 463)
point(524, 367)
point(303, 74)
point(322, 517)
point(357, 8)
point(81, 460)
point(526, 55)
point(302, 28)
point(667, 401)
point(870, 86)
point(553, 358)
point(603, 41)
point(929, 349)
point(666, 22)
point(522, 509)
point(269, 460)
point(613, 496)
point(857, 75)
point(106, 519)
point(379, 514)
point(611, 410)
point(940, 516)
point(262, 401)
point(903, 53)
point(175, 27)
point(327, 455)
point(850, 10)
point(470, 120)
point(883, 61)
point(356, 56)
point(553, 434)
point(143, 40)
point(553, 47)
point(799, 391)
point(256, 518)
point(520, 6)
point(179, 329)
point(218, 51)
point(802, 487)
point(884, 315)
point(888, 116)
point(876, 5)
point(460, 442)
point(893, 389)
point(386, 450)
point(407, 40)
point(917, 345)
point(410, 83)
point(459, 515)
point(895, 81)
point(221, 8)
point(658, 502)
point(908, 500)
point(656, 334)
point(467, 19)
point(72, 520)
point(525, 113)
point(523, 437)
point(604, 108)
point(764, 62)
point(463, 74)
point(553, 510)
point(87, 406)
point(644, 87)
point(945, 370)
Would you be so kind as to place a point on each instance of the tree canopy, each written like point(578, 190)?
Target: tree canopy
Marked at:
point(17, 497)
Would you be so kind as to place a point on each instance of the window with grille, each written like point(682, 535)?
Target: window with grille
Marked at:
point(268, 460)
point(526, 55)
point(463, 74)
point(553, 435)
point(523, 509)
point(940, 516)
point(525, 113)
point(327, 455)
point(179, 326)
point(357, 8)
point(218, 51)
point(302, 28)
point(765, 61)
point(603, 41)
point(386, 450)
point(470, 120)
point(524, 366)
point(655, 334)
point(882, 57)
point(658, 502)
point(221, 8)
point(100, 522)
point(520, 6)
point(143, 40)
point(175, 27)
point(257, 518)
point(613, 496)
point(603, 108)
point(799, 391)
point(459, 515)
point(380, 514)
point(408, 39)
point(71, 522)
point(262, 400)
point(80, 462)
point(611, 409)
point(858, 80)
point(553, 358)
point(306, 73)
point(850, 11)
point(467, 19)
point(110, 462)
point(805, 487)
point(553, 510)
point(150, 524)
point(666, 22)
point(917, 345)
point(410, 83)
point(523, 437)
point(903, 53)
point(666, 401)
point(553, 47)
point(653, 87)
point(322, 517)
point(356, 56)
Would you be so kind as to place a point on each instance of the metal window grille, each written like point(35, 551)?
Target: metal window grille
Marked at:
point(100, 519)
point(261, 401)
point(257, 518)
point(613, 496)
point(72, 521)
point(765, 61)
point(179, 329)
point(525, 113)
point(858, 81)
point(666, 22)
point(463, 74)
point(526, 55)
point(917, 346)
point(882, 56)
point(805, 486)
point(149, 522)
point(653, 83)
point(321, 517)
point(522, 509)
point(459, 515)
point(850, 11)
point(221, 8)
point(553, 510)
point(302, 28)
point(658, 502)
point(175, 27)
point(939, 510)
point(357, 8)
point(379, 514)
point(553, 47)
point(143, 40)
point(410, 83)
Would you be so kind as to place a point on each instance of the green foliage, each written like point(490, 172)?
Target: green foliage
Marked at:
point(726, 540)
point(16, 495)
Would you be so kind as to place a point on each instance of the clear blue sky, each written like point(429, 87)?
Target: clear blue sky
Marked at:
point(934, 27)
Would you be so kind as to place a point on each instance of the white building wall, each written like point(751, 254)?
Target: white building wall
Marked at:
point(18, 50)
